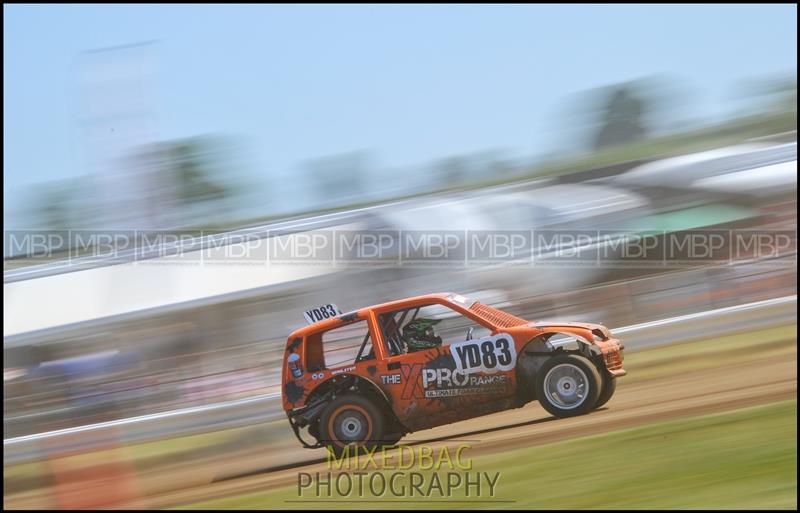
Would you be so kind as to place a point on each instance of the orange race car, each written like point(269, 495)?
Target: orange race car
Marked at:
point(368, 377)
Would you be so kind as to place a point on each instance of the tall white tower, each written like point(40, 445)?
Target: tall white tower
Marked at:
point(118, 119)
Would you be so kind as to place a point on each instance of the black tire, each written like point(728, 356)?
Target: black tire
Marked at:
point(568, 385)
point(392, 439)
point(351, 420)
point(313, 429)
point(393, 430)
point(609, 387)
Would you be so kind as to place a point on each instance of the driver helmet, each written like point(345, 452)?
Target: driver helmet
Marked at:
point(418, 334)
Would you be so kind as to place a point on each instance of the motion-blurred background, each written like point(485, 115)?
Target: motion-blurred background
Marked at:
point(160, 160)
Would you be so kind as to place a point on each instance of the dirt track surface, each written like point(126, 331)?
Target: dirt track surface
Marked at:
point(636, 403)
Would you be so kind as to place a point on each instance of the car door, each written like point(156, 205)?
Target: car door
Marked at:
point(459, 379)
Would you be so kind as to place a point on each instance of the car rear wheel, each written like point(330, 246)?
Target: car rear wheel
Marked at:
point(568, 385)
point(391, 439)
point(351, 420)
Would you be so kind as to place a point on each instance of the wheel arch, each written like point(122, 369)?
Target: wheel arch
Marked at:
point(539, 349)
point(344, 383)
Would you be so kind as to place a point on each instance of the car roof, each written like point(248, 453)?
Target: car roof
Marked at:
point(326, 323)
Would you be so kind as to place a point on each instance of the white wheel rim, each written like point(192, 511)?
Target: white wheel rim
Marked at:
point(351, 426)
point(566, 386)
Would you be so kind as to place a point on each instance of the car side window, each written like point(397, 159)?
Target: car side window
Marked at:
point(347, 344)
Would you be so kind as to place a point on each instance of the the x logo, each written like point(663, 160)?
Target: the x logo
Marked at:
point(412, 381)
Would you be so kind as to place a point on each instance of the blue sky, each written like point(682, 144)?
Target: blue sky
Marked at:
point(410, 83)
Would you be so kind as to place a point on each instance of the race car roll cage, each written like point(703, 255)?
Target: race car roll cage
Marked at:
point(392, 335)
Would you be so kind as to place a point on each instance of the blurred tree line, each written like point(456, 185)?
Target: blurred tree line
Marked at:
point(189, 177)
point(657, 107)
point(188, 182)
point(176, 183)
point(623, 119)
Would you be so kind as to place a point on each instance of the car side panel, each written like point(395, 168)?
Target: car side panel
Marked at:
point(433, 387)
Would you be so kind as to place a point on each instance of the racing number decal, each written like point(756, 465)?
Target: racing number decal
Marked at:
point(505, 356)
point(489, 354)
point(321, 312)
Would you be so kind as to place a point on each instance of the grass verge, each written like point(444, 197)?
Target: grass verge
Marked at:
point(711, 352)
point(742, 459)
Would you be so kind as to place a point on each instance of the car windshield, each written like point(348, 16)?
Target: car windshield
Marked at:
point(446, 326)
point(464, 301)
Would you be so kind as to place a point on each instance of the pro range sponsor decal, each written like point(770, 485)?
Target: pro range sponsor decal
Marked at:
point(448, 383)
point(478, 364)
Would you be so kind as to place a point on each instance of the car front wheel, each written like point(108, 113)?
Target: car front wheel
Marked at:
point(609, 387)
point(568, 385)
